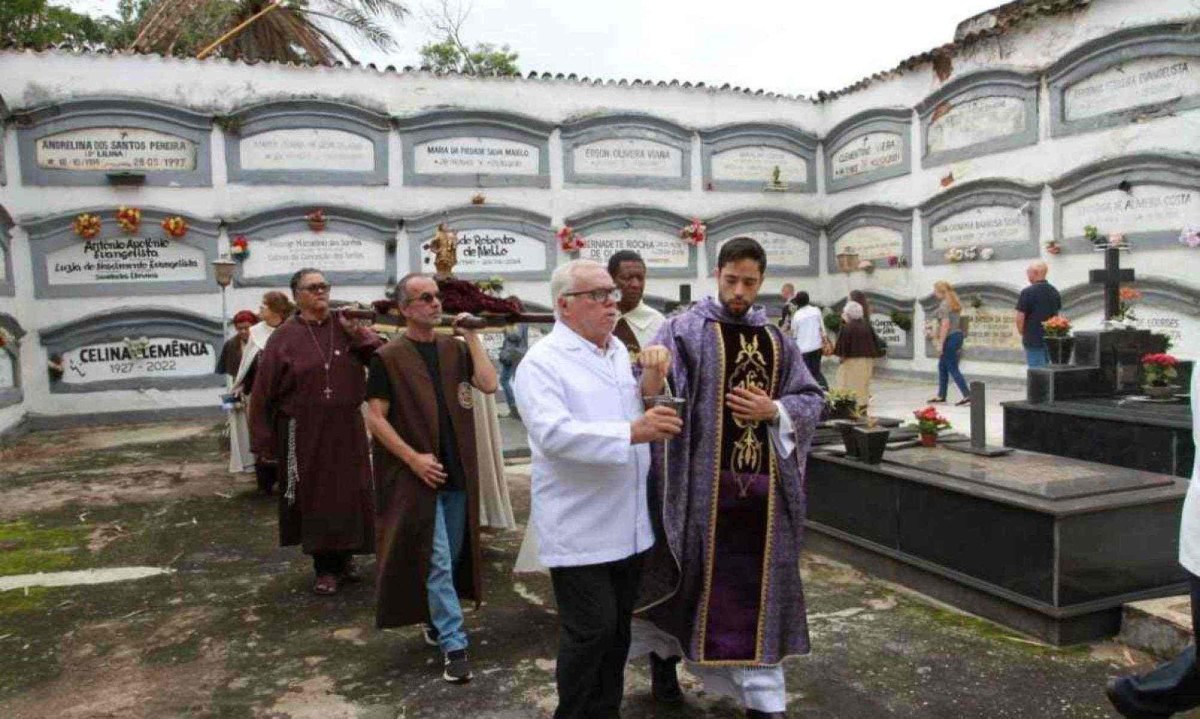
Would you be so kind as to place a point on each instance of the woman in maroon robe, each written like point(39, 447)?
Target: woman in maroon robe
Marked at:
point(305, 413)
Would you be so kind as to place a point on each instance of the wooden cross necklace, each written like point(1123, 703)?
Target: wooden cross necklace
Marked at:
point(328, 360)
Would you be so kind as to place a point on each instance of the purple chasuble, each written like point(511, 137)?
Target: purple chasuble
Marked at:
point(724, 578)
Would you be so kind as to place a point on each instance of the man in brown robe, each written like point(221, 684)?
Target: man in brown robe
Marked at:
point(426, 473)
point(305, 414)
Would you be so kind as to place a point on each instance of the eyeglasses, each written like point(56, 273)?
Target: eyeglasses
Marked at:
point(426, 297)
point(612, 294)
point(319, 288)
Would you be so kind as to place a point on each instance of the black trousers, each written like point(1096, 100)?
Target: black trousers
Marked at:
point(330, 562)
point(266, 475)
point(812, 360)
point(1172, 687)
point(595, 607)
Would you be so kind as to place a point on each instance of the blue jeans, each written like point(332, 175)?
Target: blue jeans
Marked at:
point(449, 532)
point(1037, 357)
point(506, 376)
point(948, 365)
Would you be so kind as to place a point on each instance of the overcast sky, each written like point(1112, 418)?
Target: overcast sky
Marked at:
point(790, 46)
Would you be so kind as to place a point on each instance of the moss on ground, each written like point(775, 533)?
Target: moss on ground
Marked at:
point(26, 548)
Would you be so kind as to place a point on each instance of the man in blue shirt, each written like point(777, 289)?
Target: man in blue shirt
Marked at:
point(1038, 302)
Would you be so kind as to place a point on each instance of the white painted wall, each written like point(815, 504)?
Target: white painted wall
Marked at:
point(217, 87)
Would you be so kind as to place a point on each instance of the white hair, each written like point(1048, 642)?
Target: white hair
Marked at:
point(563, 279)
point(852, 311)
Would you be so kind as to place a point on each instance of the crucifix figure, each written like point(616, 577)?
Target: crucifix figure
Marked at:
point(1111, 277)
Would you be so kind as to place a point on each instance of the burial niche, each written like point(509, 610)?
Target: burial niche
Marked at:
point(104, 252)
point(757, 157)
point(979, 114)
point(789, 240)
point(877, 234)
point(1129, 76)
point(460, 148)
point(991, 319)
point(307, 142)
point(114, 141)
point(627, 150)
point(510, 243)
point(651, 232)
point(980, 221)
point(349, 246)
point(134, 348)
point(868, 147)
point(11, 333)
point(1148, 198)
point(1164, 306)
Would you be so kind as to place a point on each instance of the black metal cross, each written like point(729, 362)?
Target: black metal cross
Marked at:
point(1111, 277)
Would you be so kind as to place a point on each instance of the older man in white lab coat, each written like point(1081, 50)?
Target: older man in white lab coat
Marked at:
point(588, 436)
point(1175, 686)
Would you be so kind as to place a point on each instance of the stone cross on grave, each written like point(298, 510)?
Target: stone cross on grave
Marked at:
point(1111, 277)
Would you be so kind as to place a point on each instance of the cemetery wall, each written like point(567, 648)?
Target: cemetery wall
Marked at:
point(996, 156)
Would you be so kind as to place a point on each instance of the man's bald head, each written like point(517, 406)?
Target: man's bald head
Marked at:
point(1036, 271)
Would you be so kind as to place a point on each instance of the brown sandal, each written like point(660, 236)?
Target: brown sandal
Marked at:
point(326, 584)
point(936, 400)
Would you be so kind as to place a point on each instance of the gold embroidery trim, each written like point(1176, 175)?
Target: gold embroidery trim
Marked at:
point(709, 559)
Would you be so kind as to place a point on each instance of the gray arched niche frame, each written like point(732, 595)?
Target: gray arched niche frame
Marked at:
point(860, 216)
point(1170, 40)
point(992, 295)
point(634, 217)
point(1127, 174)
point(788, 139)
point(892, 120)
point(104, 112)
point(291, 220)
point(970, 88)
point(10, 396)
point(473, 217)
point(883, 303)
point(448, 124)
point(307, 115)
point(1024, 199)
point(7, 285)
point(116, 325)
point(1156, 292)
point(785, 223)
point(624, 126)
point(54, 233)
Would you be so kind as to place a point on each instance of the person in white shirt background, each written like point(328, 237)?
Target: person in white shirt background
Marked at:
point(808, 329)
point(1172, 687)
point(588, 438)
point(638, 322)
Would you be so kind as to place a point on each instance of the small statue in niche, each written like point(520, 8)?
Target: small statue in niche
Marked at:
point(445, 250)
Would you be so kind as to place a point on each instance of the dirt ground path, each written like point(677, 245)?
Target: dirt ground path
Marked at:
point(235, 632)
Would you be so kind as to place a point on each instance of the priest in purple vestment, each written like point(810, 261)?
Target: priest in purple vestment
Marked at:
point(305, 414)
point(722, 585)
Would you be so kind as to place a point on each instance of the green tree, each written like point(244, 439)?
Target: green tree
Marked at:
point(37, 24)
point(484, 59)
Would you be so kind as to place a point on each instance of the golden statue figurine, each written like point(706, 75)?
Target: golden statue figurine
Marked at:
point(445, 250)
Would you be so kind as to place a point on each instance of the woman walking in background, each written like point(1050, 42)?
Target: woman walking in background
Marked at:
point(275, 308)
point(948, 339)
point(857, 351)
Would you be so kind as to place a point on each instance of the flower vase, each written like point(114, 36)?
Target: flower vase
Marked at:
point(1060, 349)
point(928, 439)
point(846, 427)
point(1160, 391)
point(870, 443)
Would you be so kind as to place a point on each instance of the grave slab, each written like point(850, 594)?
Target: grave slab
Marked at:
point(1049, 546)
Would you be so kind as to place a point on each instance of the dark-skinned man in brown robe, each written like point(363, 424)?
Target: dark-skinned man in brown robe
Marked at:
point(305, 414)
point(426, 473)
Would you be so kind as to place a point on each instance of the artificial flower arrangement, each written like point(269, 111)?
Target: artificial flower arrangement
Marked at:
point(929, 424)
point(1159, 369)
point(866, 266)
point(897, 261)
point(969, 254)
point(1127, 297)
point(5, 338)
point(493, 285)
point(129, 218)
point(1053, 247)
point(137, 347)
point(694, 233)
point(1057, 326)
point(239, 248)
point(1190, 236)
point(569, 240)
point(1092, 235)
point(54, 367)
point(175, 226)
point(86, 225)
point(316, 220)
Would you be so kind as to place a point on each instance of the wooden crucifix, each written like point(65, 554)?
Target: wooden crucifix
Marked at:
point(1111, 277)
